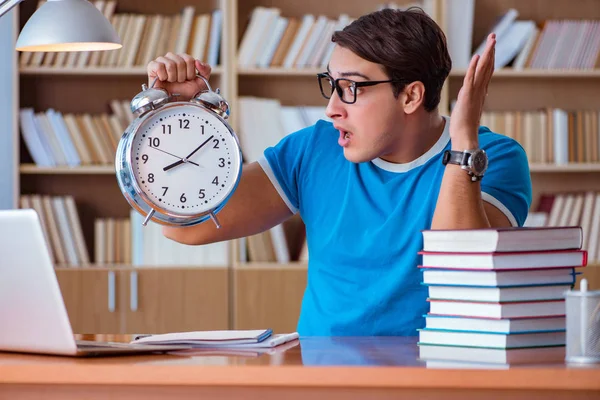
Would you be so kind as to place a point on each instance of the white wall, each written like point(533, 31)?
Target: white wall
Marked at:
point(8, 87)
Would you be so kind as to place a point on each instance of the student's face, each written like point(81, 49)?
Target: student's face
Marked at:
point(370, 127)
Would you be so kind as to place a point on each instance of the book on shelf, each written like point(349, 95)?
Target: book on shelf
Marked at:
point(550, 135)
point(53, 139)
point(503, 239)
point(62, 228)
point(144, 37)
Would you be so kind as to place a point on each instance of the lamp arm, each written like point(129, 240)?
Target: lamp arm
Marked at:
point(7, 5)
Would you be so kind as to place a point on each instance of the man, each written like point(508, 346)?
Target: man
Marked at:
point(367, 184)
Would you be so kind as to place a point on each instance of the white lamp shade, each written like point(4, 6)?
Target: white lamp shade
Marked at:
point(67, 25)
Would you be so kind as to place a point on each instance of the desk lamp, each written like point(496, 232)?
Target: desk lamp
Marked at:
point(65, 25)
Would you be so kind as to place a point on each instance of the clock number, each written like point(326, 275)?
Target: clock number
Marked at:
point(166, 188)
point(166, 129)
point(216, 181)
point(202, 194)
point(221, 162)
point(151, 178)
point(184, 123)
point(145, 158)
point(216, 146)
point(202, 128)
point(182, 198)
point(154, 142)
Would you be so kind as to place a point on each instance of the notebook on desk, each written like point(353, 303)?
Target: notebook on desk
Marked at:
point(32, 311)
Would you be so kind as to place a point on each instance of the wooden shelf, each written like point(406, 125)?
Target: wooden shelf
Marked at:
point(110, 71)
point(536, 73)
point(294, 265)
point(504, 72)
point(573, 167)
point(280, 71)
point(87, 169)
point(129, 267)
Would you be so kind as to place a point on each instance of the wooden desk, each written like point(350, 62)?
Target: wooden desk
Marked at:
point(332, 368)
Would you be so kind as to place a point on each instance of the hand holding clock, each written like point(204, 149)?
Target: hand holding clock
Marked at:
point(176, 73)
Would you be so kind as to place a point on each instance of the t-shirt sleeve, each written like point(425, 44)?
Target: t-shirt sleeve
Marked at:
point(283, 164)
point(507, 183)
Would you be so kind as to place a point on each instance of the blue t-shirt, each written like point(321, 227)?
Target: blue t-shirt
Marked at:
point(364, 220)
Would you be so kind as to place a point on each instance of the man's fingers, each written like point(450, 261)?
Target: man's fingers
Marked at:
point(180, 66)
point(203, 69)
point(156, 70)
point(190, 67)
point(470, 75)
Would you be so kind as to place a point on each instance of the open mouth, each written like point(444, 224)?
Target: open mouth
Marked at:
point(345, 138)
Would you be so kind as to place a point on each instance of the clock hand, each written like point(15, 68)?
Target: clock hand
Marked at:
point(183, 160)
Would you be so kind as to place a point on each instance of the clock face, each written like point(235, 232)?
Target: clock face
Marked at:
point(185, 160)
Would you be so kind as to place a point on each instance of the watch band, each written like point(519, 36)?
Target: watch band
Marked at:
point(461, 158)
point(456, 157)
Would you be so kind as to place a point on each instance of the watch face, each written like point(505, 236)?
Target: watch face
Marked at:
point(479, 162)
point(185, 160)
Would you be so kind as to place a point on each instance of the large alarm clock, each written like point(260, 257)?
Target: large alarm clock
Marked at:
point(178, 162)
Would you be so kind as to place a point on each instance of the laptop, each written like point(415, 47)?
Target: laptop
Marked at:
point(33, 316)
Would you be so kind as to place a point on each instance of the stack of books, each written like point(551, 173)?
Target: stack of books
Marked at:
point(497, 296)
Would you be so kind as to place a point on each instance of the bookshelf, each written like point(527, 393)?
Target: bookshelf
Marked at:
point(247, 295)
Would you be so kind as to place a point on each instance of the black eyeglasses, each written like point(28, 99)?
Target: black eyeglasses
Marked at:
point(345, 88)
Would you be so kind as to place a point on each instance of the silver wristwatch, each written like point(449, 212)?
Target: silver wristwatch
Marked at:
point(475, 162)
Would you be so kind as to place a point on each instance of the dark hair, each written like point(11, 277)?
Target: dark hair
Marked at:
point(408, 44)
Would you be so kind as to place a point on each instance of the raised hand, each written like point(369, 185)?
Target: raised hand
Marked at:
point(176, 73)
point(464, 123)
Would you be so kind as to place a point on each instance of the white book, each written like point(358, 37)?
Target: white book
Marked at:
point(311, 41)
point(32, 140)
point(200, 39)
point(342, 22)
point(560, 123)
point(250, 37)
point(187, 19)
point(501, 26)
point(64, 139)
point(503, 356)
point(268, 24)
point(272, 42)
point(459, 31)
point(495, 294)
point(212, 338)
point(525, 52)
point(49, 135)
point(512, 42)
point(308, 21)
point(214, 44)
point(322, 44)
point(491, 340)
point(64, 228)
point(514, 325)
point(498, 278)
point(498, 310)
